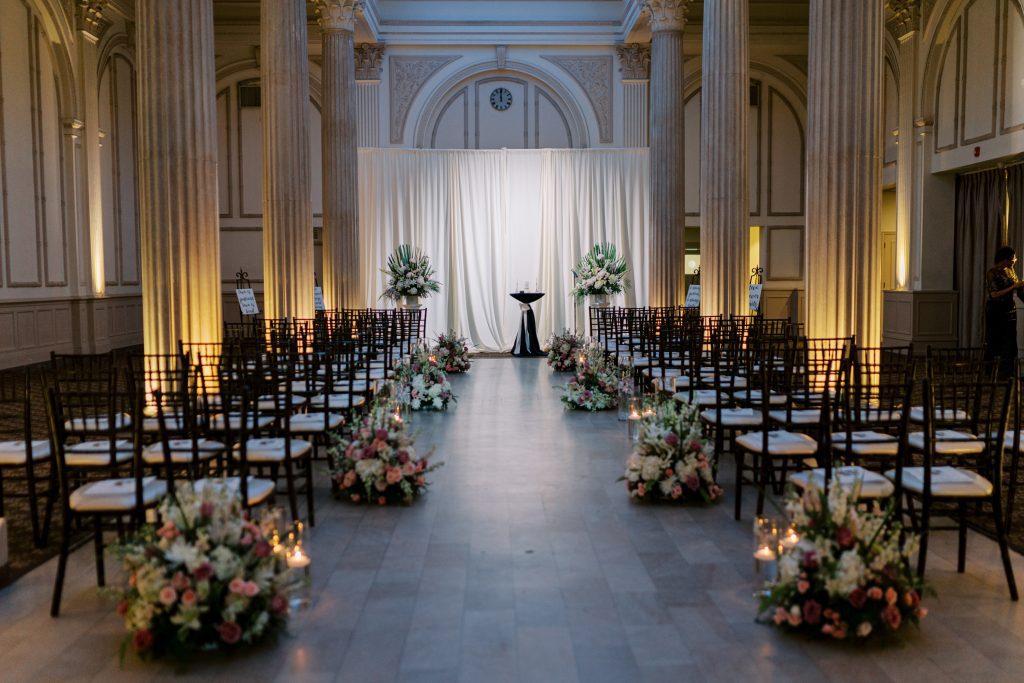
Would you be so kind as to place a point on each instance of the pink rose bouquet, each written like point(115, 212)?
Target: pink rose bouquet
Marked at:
point(849, 574)
point(595, 385)
point(672, 460)
point(563, 348)
point(377, 462)
point(204, 578)
point(452, 353)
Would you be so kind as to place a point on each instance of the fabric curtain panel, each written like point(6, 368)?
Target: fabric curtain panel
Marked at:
point(494, 221)
point(1015, 198)
point(980, 221)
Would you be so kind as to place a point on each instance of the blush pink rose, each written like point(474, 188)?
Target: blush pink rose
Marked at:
point(188, 598)
point(251, 589)
point(349, 480)
point(237, 586)
point(394, 475)
point(168, 596)
point(892, 617)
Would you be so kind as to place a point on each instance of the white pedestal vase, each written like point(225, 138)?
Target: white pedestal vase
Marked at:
point(412, 302)
point(600, 300)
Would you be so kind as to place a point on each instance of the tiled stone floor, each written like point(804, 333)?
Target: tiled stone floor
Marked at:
point(527, 562)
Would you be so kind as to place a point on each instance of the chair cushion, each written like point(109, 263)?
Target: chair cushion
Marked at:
point(803, 416)
point(274, 450)
point(701, 397)
point(949, 442)
point(733, 417)
point(311, 423)
point(1007, 440)
point(181, 451)
point(175, 423)
point(259, 489)
point(757, 396)
point(116, 495)
point(872, 484)
point(874, 415)
point(301, 386)
point(97, 453)
point(941, 414)
point(356, 386)
point(866, 443)
point(946, 482)
point(338, 401)
point(780, 442)
point(725, 381)
point(270, 402)
point(98, 423)
point(218, 422)
point(15, 452)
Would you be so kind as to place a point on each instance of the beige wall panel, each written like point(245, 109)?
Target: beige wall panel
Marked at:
point(979, 89)
point(497, 129)
point(107, 174)
point(551, 130)
point(785, 253)
point(891, 112)
point(785, 159)
point(52, 190)
point(124, 139)
point(224, 166)
point(946, 99)
point(452, 128)
point(316, 155)
point(22, 222)
point(250, 161)
point(754, 159)
point(691, 150)
point(1013, 63)
point(6, 332)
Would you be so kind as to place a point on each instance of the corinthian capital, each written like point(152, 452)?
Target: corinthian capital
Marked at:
point(906, 16)
point(90, 20)
point(635, 61)
point(369, 57)
point(337, 15)
point(667, 15)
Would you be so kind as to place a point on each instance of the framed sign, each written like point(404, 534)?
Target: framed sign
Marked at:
point(754, 295)
point(247, 301)
point(318, 299)
point(693, 297)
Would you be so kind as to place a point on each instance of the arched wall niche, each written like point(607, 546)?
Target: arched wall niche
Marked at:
point(458, 110)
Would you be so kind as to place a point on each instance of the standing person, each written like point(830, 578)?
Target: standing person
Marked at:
point(1000, 314)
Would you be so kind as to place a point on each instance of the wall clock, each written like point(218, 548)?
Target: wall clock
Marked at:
point(501, 99)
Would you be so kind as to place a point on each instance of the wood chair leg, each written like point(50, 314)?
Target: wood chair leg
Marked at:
point(309, 491)
point(1004, 550)
point(289, 476)
point(101, 579)
point(923, 552)
point(62, 564)
point(738, 488)
point(961, 558)
point(762, 482)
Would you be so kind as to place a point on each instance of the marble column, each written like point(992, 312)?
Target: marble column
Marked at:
point(668, 210)
point(287, 214)
point(635, 65)
point(844, 170)
point(724, 216)
point(341, 269)
point(905, 22)
point(177, 166)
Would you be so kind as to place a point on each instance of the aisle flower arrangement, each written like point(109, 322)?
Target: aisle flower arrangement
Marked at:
point(563, 348)
point(206, 579)
point(422, 383)
point(672, 460)
point(409, 274)
point(377, 461)
point(849, 574)
point(601, 271)
point(595, 384)
point(452, 352)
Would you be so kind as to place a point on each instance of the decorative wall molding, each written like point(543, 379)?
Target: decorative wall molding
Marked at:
point(369, 59)
point(407, 77)
point(634, 61)
point(906, 17)
point(594, 75)
point(90, 20)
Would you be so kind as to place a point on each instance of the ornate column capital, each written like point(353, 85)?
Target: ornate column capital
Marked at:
point(337, 15)
point(667, 15)
point(89, 18)
point(634, 61)
point(907, 17)
point(369, 58)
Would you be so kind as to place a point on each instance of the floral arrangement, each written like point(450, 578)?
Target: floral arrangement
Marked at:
point(409, 274)
point(378, 462)
point(422, 382)
point(595, 385)
point(206, 579)
point(452, 352)
point(562, 351)
point(600, 271)
point(849, 573)
point(672, 460)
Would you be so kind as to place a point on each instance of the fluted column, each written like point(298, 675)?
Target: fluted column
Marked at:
point(906, 18)
point(635, 64)
point(341, 270)
point(668, 210)
point(724, 216)
point(177, 166)
point(287, 215)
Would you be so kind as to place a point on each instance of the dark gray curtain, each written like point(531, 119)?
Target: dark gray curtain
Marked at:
point(980, 201)
point(1015, 192)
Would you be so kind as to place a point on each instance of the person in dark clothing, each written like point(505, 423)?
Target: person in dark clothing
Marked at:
point(1001, 283)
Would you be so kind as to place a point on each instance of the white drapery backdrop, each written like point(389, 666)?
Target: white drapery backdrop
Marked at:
point(496, 221)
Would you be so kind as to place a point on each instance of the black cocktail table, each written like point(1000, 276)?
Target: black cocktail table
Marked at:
point(526, 341)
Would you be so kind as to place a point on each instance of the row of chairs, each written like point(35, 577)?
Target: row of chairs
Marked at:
point(930, 430)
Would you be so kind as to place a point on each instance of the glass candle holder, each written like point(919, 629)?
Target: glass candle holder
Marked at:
point(298, 560)
point(634, 418)
point(766, 555)
point(789, 537)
